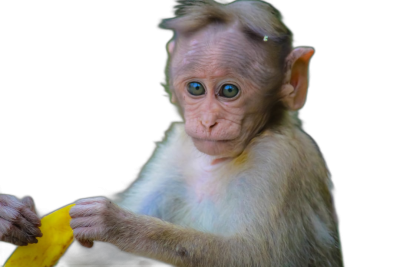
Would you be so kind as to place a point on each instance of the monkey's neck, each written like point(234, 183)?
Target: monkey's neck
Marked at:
point(209, 163)
point(218, 160)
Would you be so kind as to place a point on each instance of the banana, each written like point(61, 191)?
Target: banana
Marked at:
point(57, 236)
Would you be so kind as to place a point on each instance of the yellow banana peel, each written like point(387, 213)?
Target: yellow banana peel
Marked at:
point(57, 236)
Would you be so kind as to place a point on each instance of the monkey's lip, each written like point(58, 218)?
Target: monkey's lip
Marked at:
point(212, 140)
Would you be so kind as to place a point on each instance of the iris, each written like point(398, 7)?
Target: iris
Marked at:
point(229, 90)
point(195, 88)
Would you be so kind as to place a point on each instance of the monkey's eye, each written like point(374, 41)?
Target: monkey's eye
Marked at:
point(229, 91)
point(195, 88)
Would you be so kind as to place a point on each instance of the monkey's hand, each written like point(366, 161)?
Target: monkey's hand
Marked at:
point(19, 223)
point(94, 219)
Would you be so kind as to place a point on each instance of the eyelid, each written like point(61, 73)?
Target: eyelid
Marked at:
point(225, 82)
point(195, 81)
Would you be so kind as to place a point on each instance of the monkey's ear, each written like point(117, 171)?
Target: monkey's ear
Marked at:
point(173, 97)
point(295, 84)
point(171, 46)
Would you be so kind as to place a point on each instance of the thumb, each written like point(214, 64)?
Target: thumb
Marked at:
point(86, 243)
point(28, 201)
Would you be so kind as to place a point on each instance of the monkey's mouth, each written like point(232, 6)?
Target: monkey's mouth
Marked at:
point(217, 147)
point(212, 140)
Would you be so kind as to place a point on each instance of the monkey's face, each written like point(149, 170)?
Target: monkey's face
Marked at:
point(222, 107)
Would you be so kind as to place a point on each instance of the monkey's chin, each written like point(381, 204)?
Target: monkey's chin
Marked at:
point(220, 148)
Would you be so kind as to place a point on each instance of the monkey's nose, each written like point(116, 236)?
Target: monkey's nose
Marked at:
point(208, 124)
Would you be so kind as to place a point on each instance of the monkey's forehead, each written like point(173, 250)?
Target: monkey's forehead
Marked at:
point(228, 40)
point(222, 49)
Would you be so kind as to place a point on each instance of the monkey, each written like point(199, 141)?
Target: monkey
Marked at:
point(238, 182)
point(19, 222)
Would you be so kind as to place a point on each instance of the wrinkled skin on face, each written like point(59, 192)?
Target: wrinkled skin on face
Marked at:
point(218, 125)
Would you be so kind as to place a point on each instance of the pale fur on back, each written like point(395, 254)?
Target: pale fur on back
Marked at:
point(279, 168)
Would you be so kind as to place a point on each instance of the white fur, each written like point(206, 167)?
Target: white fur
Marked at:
point(180, 185)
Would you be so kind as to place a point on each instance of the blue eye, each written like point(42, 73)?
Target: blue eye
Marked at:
point(195, 88)
point(229, 91)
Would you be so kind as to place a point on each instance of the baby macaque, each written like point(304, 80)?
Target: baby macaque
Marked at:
point(238, 183)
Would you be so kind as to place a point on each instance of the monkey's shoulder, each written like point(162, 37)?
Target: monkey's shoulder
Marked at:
point(287, 148)
point(289, 143)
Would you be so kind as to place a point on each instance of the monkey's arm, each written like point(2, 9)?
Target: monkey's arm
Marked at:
point(99, 219)
point(146, 193)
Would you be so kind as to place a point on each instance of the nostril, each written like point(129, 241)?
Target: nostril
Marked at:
point(208, 125)
point(208, 121)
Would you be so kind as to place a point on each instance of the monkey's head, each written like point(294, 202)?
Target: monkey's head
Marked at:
point(232, 72)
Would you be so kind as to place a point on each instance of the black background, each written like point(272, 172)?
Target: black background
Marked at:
point(83, 106)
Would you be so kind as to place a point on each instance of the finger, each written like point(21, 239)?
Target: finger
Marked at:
point(24, 237)
point(84, 222)
point(28, 202)
point(15, 232)
point(86, 243)
point(14, 241)
point(31, 216)
point(92, 200)
point(87, 233)
point(83, 210)
point(28, 227)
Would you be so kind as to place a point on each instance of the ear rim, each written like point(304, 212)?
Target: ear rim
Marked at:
point(296, 77)
point(171, 46)
point(173, 98)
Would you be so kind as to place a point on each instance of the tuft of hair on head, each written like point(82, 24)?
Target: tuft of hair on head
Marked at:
point(255, 18)
point(192, 15)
